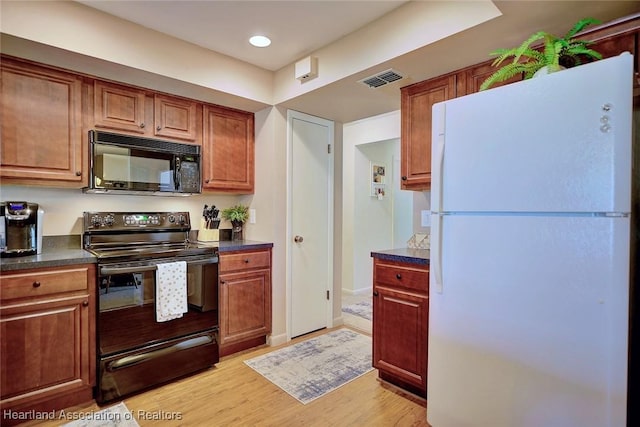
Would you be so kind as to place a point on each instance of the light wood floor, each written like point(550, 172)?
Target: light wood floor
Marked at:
point(232, 394)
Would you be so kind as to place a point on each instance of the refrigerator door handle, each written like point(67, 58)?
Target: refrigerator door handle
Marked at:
point(437, 153)
point(436, 252)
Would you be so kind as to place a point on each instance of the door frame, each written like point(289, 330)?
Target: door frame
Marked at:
point(291, 115)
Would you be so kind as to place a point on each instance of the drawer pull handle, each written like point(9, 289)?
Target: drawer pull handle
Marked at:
point(36, 284)
point(399, 276)
point(85, 303)
point(246, 261)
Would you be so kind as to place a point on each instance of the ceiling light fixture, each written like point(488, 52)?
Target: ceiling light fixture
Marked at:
point(260, 41)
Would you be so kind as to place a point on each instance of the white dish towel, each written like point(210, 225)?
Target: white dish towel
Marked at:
point(171, 290)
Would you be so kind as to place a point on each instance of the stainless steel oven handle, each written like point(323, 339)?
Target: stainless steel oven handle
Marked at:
point(109, 271)
point(127, 361)
point(204, 261)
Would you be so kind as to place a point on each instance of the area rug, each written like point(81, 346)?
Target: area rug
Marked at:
point(310, 369)
point(362, 309)
point(118, 415)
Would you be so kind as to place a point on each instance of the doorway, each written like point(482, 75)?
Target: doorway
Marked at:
point(310, 233)
point(369, 224)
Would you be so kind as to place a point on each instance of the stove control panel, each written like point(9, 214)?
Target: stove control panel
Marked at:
point(94, 221)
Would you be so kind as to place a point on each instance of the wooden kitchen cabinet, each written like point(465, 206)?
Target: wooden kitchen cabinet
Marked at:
point(47, 324)
point(401, 323)
point(245, 299)
point(119, 108)
point(477, 74)
point(415, 147)
point(41, 133)
point(176, 118)
point(139, 112)
point(228, 151)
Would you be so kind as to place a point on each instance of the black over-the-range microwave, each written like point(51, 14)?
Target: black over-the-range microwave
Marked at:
point(125, 164)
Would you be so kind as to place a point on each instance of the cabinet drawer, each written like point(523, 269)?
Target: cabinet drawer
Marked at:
point(401, 276)
point(47, 282)
point(244, 260)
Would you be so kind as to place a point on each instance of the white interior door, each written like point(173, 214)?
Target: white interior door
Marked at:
point(310, 144)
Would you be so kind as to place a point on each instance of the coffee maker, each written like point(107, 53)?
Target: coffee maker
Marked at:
point(21, 228)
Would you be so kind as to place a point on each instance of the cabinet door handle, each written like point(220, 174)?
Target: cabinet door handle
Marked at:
point(399, 276)
point(78, 173)
point(141, 125)
point(85, 303)
point(159, 128)
point(36, 284)
point(206, 181)
point(375, 293)
point(404, 178)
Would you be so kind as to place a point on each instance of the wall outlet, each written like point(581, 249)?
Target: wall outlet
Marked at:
point(252, 216)
point(425, 218)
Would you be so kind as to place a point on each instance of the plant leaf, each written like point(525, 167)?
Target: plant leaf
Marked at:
point(540, 35)
point(579, 26)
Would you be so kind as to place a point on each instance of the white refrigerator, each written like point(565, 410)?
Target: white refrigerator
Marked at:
point(530, 242)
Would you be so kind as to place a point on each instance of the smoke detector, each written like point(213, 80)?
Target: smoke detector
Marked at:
point(382, 78)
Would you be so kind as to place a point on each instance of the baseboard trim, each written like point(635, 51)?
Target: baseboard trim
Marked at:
point(275, 340)
point(357, 292)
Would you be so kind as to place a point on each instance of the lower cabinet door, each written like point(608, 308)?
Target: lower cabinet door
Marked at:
point(400, 331)
point(45, 349)
point(245, 306)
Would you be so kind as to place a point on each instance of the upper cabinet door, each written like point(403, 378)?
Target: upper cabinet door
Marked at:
point(119, 108)
point(477, 74)
point(416, 103)
point(41, 133)
point(228, 150)
point(176, 118)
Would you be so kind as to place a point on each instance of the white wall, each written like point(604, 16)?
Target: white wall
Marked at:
point(64, 207)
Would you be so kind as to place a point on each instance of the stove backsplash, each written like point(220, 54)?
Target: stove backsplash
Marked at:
point(64, 207)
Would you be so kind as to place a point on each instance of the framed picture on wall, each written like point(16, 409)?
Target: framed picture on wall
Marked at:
point(378, 179)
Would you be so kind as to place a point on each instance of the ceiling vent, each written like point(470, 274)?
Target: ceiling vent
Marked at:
point(382, 78)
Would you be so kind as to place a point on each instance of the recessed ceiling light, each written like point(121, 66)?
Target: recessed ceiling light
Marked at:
point(260, 41)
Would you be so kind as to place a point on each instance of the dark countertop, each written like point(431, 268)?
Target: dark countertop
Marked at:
point(50, 257)
point(413, 256)
point(239, 245)
point(59, 251)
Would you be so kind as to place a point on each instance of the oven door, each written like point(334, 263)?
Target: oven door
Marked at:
point(127, 314)
point(137, 352)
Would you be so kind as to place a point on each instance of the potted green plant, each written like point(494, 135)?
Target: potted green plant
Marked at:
point(238, 215)
point(556, 53)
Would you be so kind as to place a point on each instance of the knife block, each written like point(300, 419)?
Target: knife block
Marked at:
point(207, 235)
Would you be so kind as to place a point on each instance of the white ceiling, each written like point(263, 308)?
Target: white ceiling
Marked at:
point(300, 27)
point(296, 28)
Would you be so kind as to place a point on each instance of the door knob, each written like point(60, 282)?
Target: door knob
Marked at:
point(298, 239)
